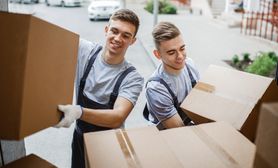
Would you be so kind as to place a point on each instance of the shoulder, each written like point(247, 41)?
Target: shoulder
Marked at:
point(134, 76)
point(191, 65)
point(85, 47)
point(190, 62)
point(155, 87)
point(83, 43)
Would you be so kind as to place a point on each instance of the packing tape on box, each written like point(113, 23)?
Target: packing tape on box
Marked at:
point(218, 150)
point(205, 87)
point(128, 150)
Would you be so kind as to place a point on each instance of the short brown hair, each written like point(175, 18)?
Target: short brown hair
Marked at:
point(164, 31)
point(127, 16)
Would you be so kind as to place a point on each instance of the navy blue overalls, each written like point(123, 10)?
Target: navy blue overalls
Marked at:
point(78, 160)
point(186, 120)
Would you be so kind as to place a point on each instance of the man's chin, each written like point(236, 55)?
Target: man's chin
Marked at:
point(179, 66)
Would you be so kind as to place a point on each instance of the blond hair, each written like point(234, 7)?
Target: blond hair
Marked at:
point(164, 31)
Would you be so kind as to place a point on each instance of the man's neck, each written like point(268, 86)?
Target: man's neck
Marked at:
point(111, 59)
point(171, 70)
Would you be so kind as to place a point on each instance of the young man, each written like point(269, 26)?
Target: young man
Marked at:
point(107, 86)
point(172, 80)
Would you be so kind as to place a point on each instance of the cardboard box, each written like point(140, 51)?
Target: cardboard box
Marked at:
point(214, 145)
point(234, 97)
point(30, 161)
point(267, 137)
point(141, 147)
point(37, 69)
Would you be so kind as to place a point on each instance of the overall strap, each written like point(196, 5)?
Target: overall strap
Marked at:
point(115, 92)
point(175, 99)
point(88, 68)
point(193, 81)
point(160, 80)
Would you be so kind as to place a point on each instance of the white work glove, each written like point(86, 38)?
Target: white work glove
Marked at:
point(71, 113)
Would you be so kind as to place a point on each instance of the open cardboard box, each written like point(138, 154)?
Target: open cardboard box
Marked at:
point(206, 145)
point(140, 147)
point(37, 70)
point(230, 95)
point(214, 145)
point(267, 137)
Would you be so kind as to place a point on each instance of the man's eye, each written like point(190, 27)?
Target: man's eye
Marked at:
point(126, 36)
point(114, 31)
point(171, 53)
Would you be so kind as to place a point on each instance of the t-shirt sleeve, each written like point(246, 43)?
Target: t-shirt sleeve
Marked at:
point(131, 87)
point(160, 102)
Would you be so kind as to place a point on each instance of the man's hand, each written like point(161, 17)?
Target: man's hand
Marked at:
point(71, 113)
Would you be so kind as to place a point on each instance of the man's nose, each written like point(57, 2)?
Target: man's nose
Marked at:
point(117, 37)
point(180, 54)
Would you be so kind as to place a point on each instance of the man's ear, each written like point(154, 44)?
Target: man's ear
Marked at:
point(157, 54)
point(133, 41)
point(106, 29)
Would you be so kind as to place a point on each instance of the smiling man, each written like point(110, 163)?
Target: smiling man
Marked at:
point(107, 86)
point(172, 80)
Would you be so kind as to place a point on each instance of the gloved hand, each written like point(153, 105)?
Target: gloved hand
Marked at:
point(71, 113)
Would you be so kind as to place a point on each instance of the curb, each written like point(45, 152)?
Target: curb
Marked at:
point(149, 53)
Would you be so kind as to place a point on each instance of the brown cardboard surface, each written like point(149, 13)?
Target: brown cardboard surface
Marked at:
point(140, 147)
point(267, 137)
point(30, 161)
point(37, 71)
point(205, 87)
point(236, 98)
point(210, 145)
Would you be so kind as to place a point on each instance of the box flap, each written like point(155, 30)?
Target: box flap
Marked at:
point(210, 145)
point(231, 141)
point(151, 148)
point(215, 107)
point(236, 84)
point(130, 148)
point(103, 150)
point(189, 149)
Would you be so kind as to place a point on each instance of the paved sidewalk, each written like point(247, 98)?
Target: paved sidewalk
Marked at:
point(208, 40)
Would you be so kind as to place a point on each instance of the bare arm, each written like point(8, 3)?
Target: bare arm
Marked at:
point(112, 118)
point(173, 122)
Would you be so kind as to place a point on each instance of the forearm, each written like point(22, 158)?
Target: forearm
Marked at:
point(103, 117)
point(173, 122)
point(111, 118)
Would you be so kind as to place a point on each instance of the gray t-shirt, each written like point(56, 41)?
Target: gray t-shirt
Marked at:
point(159, 101)
point(102, 78)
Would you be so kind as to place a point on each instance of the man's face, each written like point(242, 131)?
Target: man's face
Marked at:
point(172, 53)
point(119, 35)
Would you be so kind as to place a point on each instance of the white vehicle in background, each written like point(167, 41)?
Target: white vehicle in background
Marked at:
point(102, 9)
point(64, 2)
point(25, 1)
